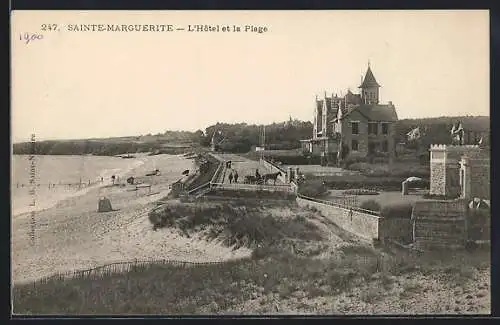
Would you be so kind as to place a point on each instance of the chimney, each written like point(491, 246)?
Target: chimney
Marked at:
point(390, 103)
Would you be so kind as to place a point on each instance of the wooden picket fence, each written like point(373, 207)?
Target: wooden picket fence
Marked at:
point(126, 266)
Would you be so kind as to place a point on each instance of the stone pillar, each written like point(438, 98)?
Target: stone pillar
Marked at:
point(297, 174)
point(438, 170)
point(445, 168)
point(465, 176)
point(404, 188)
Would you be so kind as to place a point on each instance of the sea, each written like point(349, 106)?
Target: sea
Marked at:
point(60, 177)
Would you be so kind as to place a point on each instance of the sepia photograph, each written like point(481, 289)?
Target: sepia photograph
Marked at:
point(232, 163)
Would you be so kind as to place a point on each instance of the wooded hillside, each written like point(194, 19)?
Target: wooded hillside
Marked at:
point(241, 137)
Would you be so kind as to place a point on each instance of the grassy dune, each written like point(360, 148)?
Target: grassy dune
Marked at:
point(240, 223)
point(301, 264)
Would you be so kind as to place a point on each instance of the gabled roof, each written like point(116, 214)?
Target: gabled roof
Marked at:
point(375, 112)
point(369, 80)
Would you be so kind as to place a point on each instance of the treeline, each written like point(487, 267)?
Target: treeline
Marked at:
point(82, 147)
point(158, 143)
point(436, 130)
point(241, 137)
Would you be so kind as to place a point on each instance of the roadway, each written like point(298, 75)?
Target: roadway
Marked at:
point(243, 166)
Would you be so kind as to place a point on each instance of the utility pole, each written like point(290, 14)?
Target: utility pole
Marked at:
point(263, 141)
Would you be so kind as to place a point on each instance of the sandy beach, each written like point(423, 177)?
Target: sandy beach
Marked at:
point(72, 235)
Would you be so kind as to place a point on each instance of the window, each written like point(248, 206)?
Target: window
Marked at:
point(354, 145)
point(385, 146)
point(355, 127)
point(385, 128)
point(372, 128)
point(372, 147)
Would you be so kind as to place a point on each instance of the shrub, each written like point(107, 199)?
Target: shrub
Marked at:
point(313, 188)
point(479, 221)
point(397, 210)
point(370, 205)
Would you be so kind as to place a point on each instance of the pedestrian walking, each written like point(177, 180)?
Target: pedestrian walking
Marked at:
point(230, 177)
point(235, 176)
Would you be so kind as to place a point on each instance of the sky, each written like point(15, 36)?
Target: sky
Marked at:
point(69, 84)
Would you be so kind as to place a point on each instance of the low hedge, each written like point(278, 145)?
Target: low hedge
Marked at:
point(440, 197)
point(401, 170)
point(360, 192)
point(370, 205)
point(295, 160)
point(387, 184)
point(397, 210)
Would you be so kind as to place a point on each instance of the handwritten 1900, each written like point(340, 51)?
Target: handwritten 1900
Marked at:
point(30, 37)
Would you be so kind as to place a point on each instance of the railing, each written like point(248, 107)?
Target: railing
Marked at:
point(190, 192)
point(274, 165)
point(342, 206)
point(213, 180)
point(220, 168)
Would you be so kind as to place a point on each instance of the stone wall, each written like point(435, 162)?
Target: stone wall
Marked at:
point(439, 224)
point(438, 179)
point(479, 178)
point(480, 185)
point(361, 224)
point(399, 229)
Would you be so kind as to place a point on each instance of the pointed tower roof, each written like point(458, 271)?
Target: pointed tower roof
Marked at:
point(369, 80)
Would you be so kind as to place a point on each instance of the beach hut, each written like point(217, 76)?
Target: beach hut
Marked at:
point(104, 205)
